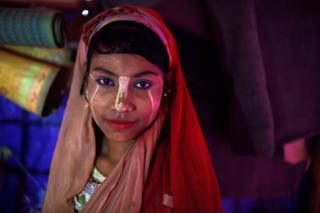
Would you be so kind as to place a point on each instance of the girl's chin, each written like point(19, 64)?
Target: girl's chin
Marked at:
point(121, 141)
point(120, 138)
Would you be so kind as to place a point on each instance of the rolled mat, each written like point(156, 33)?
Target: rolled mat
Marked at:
point(31, 27)
point(58, 56)
point(31, 84)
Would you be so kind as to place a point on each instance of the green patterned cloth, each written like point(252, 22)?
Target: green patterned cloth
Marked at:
point(31, 27)
point(94, 182)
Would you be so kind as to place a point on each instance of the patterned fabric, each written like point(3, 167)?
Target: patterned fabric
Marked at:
point(94, 182)
point(31, 27)
point(25, 81)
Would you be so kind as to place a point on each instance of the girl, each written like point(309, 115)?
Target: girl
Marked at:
point(130, 140)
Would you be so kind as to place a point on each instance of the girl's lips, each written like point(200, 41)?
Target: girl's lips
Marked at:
point(120, 124)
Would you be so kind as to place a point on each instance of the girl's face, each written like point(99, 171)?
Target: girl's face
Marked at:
point(124, 91)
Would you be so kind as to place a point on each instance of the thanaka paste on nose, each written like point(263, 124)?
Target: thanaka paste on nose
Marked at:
point(122, 93)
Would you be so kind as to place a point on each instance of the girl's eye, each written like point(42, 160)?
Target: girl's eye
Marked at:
point(143, 84)
point(107, 82)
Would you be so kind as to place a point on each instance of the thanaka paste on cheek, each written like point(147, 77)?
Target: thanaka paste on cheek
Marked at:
point(91, 104)
point(122, 94)
point(155, 103)
point(152, 106)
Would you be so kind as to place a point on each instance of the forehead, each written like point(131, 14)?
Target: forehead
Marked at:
point(123, 64)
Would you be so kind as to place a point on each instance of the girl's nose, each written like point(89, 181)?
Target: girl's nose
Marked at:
point(123, 104)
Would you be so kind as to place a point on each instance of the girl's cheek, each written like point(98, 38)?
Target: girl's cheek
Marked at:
point(101, 108)
point(154, 97)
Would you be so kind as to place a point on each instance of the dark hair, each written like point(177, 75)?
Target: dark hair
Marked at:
point(130, 37)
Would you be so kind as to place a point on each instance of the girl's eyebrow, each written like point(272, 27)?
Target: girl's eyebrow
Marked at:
point(137, 75)
point(105, 71)
point(143, 73)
